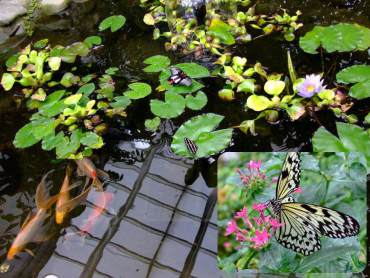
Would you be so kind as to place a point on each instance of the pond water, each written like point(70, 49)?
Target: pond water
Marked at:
point(162, 220)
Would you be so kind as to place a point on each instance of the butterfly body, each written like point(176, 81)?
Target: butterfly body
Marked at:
point(178, 77)
point(303, 224)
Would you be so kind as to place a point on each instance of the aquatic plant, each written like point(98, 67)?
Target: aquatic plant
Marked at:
point(70, 111)
point(200, 130)
point(358, 75)
point(218, 32)
point(341, 37)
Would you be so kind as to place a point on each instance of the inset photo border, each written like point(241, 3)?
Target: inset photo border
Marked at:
point(292, 212)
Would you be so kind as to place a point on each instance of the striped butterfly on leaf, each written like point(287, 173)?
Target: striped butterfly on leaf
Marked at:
point(303, 224)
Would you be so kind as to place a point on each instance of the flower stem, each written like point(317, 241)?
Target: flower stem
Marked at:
point(254, 252)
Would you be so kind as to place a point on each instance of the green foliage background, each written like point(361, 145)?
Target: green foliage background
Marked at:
point(334, 180)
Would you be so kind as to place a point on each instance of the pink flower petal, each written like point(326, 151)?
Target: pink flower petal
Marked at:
point(231, 227)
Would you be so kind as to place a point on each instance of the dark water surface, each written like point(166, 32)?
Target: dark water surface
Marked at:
point(162, 220)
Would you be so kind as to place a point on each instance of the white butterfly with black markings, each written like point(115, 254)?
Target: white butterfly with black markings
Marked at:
point(178, 77)
point(303, 224)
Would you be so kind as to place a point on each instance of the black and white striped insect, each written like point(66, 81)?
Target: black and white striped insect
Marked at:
point(190, 145)
point(178, 77)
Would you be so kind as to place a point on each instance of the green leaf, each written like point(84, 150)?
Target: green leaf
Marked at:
point(43, 127)
point(92, 140)
point(7, 81)
point(353, 137)
point(222, 31)
point(324, 140)
point(258, 103)
point(121, 102)
point(156, 63)
point(138, 90)
point(153, 124)
point(199, 130)
point(274, 87)
point(194, 70)
point(54, 63)
point(12, 60)
point(196, 102)
point(177, 89)
point(69, 146)
point(247, 86)
point(24, 137)
point(52, 106)
point(172, 107)
point(41, 44)
point(68, 80)
point(86, 89)
point(361, 90)
point(342, 37)
point(52, 141)
point(367, 118)
point(93, 40)
point(354, 74)
point(114, 22)
point(311, 40)
point(73, 99)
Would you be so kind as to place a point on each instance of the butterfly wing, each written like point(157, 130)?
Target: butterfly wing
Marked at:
point(327, 222)
point(295, 235)
point(289, 177)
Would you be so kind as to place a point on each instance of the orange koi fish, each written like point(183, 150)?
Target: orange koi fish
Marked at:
point(65, 204)
point(87, 168)
point(100, 207)
point(33, 228)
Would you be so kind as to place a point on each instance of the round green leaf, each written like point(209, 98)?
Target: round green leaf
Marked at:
point(274, 87)
point(114, 22)
point(172, 107)
point(258, 103)
point(354, 74)
point(54, 63)
point(247, 86)
point(199, 130)
point(157, 63)
point(93, 40)
point(361, 90)
point(194, 70)
point(139, 90)
point(196, 102)
point(152, 124)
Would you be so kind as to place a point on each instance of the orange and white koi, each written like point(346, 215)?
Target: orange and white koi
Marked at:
point(33, 228)
point(87, 168)
point(65, 203)
point(100, 206)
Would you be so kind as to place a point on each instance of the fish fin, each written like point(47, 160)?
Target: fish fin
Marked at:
point(28, 219)
point(41, 198)
point(74, 202)
point(102, 174)
point(30, 252)
point(97, 184)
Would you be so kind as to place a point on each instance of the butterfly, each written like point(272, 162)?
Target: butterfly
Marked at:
point(303, 224)
point(178, 77)
point(190, 145)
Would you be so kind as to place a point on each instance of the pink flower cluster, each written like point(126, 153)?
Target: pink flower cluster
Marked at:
point(257, 231)
point(254, 172)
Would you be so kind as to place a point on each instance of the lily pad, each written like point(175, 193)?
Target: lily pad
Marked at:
point(194, 70)
point(196, 102)
point(138, 90)
point(156, 63)
point(153, 124)
point(354, 74)
point(178, 89)
point(172, 107)
point(121, 102)
point(114, 22)
point(93, 40)
point(360, 90)
point(199, 129)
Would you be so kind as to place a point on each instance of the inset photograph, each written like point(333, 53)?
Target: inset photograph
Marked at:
point(292, 212)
